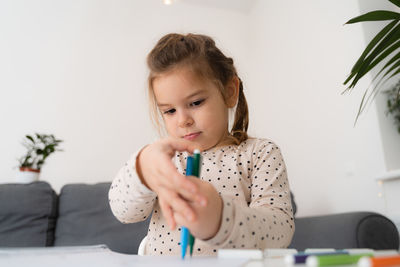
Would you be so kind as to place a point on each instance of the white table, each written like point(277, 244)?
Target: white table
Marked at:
point(101, 256)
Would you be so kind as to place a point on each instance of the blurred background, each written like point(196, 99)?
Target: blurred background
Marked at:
point(76, 69)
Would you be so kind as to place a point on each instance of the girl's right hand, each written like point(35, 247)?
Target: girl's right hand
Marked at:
point(157, 171)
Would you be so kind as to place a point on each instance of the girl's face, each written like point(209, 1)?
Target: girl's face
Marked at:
point(191, 108)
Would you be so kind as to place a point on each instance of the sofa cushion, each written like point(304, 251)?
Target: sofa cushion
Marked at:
point(85, 218)
point(27, 215)
point(345, 230)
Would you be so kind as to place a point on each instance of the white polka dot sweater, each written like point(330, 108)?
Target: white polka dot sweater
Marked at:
point(252, 181)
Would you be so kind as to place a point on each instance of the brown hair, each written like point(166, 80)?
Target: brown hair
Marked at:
point(199, 53)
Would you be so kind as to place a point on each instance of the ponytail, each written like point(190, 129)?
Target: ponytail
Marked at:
point(241, 120)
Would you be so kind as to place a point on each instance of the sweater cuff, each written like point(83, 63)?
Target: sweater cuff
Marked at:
point(131, 165)
point(227, 223)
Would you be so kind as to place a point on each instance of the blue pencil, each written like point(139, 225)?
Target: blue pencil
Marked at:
point(185, 232)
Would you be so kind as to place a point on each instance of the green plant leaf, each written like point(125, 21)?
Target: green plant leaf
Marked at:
point(397, 64)
point(393, 103)
point(388, 41)
point(371, 45)
point(395, 2)
point(360, 108)
point(394, 66)
point(30, 138)
point(375, 91)
point(384, 54)
point(50, 147)
point(397, 71)
point(379, 83)
point(393, 74)
point(379, 59)
point(391, 37)
point(390, 62)
point(375, 16)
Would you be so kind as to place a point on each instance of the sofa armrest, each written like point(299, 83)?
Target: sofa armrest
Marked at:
point(345, 230)
point(28, 214)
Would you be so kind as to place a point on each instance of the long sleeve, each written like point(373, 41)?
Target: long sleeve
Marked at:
point(265, 220)
point(130, 200)
point(252, 181)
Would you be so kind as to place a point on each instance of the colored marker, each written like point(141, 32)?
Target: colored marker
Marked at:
point(279, 252)
point(315, 261)
point(379, 262)
point(197, 161)
point(318, 250)
point(253, 254)
point(185, 232)
point(196, 172)
point(184, 241)
point(191, 243)
point(302, 257)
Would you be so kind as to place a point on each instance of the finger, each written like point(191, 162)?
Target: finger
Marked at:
point(181, 206)
point(180, 219)
point(199, 198)
point(173, 179)
point(180, 185)
point(186, 186)
point(167, 212)
point(180, 145)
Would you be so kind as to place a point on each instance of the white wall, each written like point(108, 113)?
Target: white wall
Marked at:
point(302, 53)
point(77, 69)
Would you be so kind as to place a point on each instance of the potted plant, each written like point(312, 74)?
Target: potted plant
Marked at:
point(384, 46)
point(39, 148)
point(393, 103)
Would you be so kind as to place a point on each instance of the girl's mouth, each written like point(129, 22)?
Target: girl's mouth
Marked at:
point(192, 136)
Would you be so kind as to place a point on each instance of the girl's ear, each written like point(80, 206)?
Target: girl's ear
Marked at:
point(232, 92)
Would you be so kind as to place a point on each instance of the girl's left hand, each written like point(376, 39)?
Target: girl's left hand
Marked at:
point(208, 218)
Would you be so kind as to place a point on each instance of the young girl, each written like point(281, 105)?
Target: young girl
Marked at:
point(242, 199)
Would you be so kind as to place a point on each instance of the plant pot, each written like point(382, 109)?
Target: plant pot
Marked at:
point(27, 175)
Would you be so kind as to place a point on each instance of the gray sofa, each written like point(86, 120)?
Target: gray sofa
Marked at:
point(33, 215)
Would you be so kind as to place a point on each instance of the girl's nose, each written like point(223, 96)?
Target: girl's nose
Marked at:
point(185, 120)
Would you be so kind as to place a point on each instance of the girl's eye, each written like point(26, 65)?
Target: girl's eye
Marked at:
point(197, 103)
point(170, 111)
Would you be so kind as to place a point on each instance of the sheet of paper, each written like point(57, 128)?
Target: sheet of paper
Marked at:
point(101, 256)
